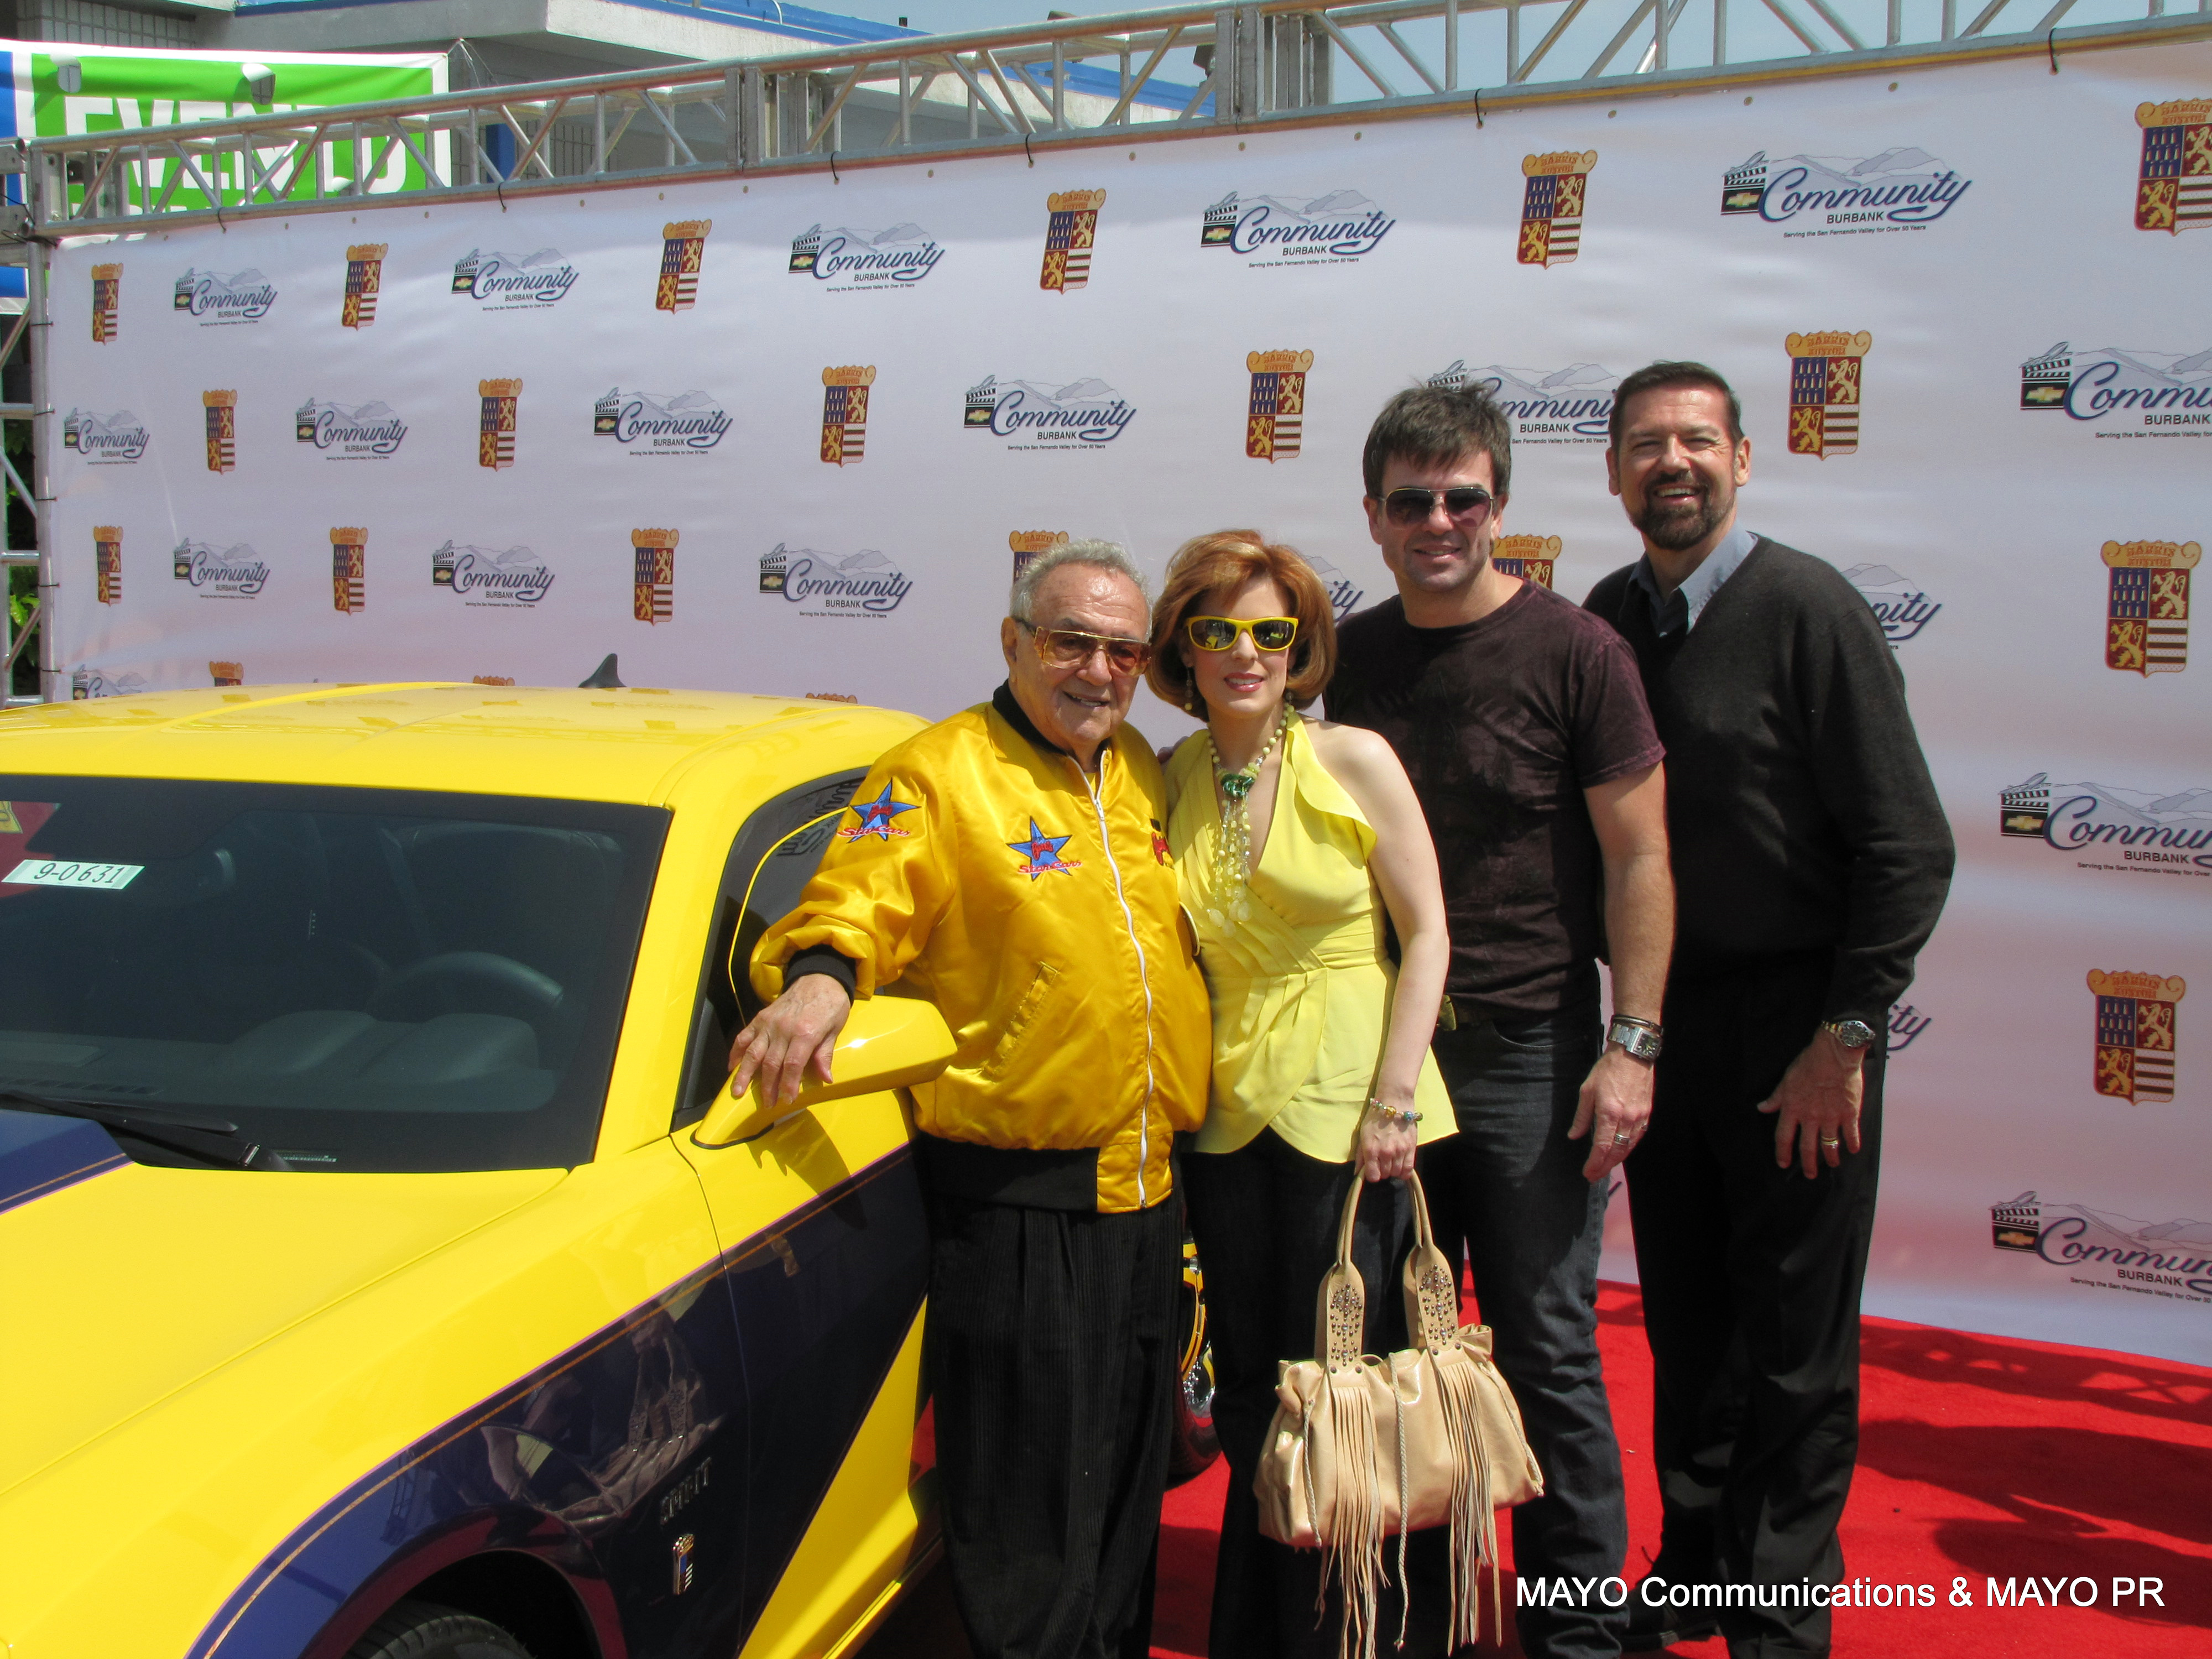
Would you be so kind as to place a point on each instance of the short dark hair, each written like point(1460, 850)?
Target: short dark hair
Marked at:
point(1652, 376)
point(1435, 425)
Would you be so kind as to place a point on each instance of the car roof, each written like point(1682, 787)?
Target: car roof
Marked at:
point(623, 744)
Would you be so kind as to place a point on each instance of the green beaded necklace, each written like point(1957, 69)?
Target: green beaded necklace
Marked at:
point(1233, 834)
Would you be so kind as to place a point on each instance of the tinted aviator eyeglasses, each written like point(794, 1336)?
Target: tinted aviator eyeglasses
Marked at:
point(1070, 648)
point(1413, 505)
point(1219, 633)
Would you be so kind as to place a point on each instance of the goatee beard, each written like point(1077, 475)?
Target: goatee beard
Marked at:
point(1676, 526)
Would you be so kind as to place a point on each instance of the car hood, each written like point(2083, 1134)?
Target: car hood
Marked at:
point(129, 1283)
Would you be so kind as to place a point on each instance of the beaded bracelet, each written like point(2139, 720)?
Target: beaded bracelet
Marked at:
point(1408, 1116)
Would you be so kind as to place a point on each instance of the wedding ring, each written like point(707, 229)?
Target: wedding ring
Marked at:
point(1836, 1142)
point(1619, 1138)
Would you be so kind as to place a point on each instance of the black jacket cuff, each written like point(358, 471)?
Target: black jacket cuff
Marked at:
point(821, 959)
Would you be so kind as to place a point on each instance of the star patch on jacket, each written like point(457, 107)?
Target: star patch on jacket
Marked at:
point(876, 818)
point(1042, 852)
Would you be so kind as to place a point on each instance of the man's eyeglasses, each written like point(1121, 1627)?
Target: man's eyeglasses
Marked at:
point(1413, 505)
point(1219, 633)
point(1070, 648)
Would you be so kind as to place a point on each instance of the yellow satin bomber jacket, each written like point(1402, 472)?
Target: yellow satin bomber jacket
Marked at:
point(1038, 909)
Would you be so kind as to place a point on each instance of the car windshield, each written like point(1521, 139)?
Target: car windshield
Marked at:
point(359, 979)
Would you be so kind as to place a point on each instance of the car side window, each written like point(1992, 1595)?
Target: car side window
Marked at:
point(770, 862)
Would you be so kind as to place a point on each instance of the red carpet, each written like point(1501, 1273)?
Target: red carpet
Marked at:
point(1982, 1457)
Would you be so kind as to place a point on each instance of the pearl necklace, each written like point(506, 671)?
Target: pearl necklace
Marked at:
point(1232, 834)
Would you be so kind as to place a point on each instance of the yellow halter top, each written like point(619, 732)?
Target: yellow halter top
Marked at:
point(1301, 989)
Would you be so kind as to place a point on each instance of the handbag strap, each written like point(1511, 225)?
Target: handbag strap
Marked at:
point(1431, 1289)
point(1431, 1286)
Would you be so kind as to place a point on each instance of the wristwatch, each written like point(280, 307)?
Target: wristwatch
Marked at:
point(1640, 1038)
point(1851, 1033)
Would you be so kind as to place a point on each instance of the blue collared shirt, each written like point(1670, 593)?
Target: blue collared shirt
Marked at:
point(1687, 603)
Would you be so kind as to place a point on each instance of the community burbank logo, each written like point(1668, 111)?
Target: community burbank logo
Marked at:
point(1552, 206)
point(1344, 593)
point(1901, 189)
point(1296, 230)
point(2173, 186)
point(2168, 1259)
point(1038, 415)
point(503, 281)
point(236, 572)
point(650, 423)
point(848, 259)
point(2147, 605)
point(1900, 605)
point(501, 579)
point(2112, 827)
point(362, 432)
point(868, 583)
point(116, 440)
point(1569, 405)
point(217, 300)
point(2130, 392)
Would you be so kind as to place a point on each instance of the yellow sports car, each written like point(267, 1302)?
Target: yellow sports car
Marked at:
point(386, 1269)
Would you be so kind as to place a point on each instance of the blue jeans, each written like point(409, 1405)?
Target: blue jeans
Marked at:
point(1508, 1187)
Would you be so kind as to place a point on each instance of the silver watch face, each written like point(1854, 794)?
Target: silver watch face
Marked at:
point(1852, 1033)
point(1638, 1043)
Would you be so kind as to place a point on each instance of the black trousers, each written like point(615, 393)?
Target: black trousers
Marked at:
point(1751, 1278)
point(1265, 1219)
point(1050, 1352)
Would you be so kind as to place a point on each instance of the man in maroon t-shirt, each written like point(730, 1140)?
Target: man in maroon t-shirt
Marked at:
point(1524, 729)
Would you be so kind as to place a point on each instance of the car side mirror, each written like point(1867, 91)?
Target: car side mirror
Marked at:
point(887, 1043)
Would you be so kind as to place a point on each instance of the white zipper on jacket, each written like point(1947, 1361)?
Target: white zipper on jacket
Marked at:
point(1143, 974)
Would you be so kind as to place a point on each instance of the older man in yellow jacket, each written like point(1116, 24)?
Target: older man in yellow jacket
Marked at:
point(1010, 865)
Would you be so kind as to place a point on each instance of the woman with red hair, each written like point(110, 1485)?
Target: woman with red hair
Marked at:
point(1294, 840)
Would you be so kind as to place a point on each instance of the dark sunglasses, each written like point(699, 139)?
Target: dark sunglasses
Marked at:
point(1070, 648)
point(1219, 633)
point(1413, 505)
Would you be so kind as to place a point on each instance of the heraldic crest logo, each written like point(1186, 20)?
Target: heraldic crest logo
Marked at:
point(107, 561)
point(364, 278)
point(107, 302)
point(501, 402)
point(2173, 191)
point(2147, 605)
point(1276, 417)
point(1552, 206)
point(654, 598)
point(221, 409)
point(845, 413)
point(1824, 391)
point(1069, 236)
point(1028, 544)
point(2135, 1035)
point(683, 252)
point(349, 568)
point(1530, 557)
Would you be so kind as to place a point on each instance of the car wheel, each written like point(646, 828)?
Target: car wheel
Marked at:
point(1195, 1445)
point(423, 1630)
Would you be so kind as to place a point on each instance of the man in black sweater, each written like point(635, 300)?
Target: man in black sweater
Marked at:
point(1811, 858)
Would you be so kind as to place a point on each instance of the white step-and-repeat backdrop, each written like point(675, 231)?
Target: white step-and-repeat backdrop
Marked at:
point(792, 435)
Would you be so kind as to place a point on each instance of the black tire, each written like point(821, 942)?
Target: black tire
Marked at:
point(1195, 1445)
point(423, 1630)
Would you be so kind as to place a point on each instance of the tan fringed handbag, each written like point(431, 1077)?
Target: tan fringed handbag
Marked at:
point(1362, 1446)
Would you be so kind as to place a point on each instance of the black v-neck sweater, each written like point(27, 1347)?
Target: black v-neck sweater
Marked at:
point(1800, 811)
